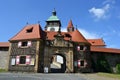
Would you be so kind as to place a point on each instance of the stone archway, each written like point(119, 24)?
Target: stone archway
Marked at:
point(58, 63)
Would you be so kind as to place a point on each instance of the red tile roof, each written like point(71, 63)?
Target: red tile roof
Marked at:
point(50, 35)
point(36, 33)
point(78, 37)
point(106, 50)
point(70, 24)
point(96, 42)
point(4, 44)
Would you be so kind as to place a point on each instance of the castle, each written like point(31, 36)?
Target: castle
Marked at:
point(33, 49)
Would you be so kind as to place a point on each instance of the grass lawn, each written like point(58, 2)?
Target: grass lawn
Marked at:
point(109, 75)
point(2, 70)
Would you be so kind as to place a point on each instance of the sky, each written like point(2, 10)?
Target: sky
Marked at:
point(93, 18)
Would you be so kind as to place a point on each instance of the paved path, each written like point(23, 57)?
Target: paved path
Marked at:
point(49, 76)
point(39, 76)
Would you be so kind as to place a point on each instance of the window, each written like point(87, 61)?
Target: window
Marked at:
point(52, 29)
point(24, 44)
point(82, 63)
point(70, 29)
point(29, 30)
point(81, 47)
point(22, 59)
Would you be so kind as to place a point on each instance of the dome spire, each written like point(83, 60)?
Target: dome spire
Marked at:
point(54, 12)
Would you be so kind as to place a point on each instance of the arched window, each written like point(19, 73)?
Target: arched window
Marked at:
point(52, 29)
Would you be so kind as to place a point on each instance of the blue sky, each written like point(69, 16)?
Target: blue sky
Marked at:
point(94, 18)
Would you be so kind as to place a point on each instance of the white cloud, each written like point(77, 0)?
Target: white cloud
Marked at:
point(89, 35)
point(100, 13)
point(109, 1)
point(85, 33)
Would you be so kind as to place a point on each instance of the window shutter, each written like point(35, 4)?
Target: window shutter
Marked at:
point(13, 61)
point(79, 63)
point(29, 43)
point(17, 59)
point(19, 44)
point(85, 64)
point(27, 59)
point(78, 48)
point(85, 48)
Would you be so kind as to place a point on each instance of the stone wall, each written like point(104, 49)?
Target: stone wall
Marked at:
point(3, 59)
point(111, 58)
point(64, 51)
point(15, 51)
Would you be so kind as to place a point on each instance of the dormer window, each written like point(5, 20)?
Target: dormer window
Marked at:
point(29, 30)
point(67, 35)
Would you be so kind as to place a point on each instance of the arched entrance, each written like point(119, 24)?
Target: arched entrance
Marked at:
point(58, 63)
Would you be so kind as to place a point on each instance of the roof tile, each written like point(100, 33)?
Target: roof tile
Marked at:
point(106, 50)
point(36, 33)
point(78, 37)
point(96, 42)
point(4, 44)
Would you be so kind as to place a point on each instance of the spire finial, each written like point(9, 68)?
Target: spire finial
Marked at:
point(54, 12)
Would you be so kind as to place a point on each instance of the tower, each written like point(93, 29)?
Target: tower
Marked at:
point(53, 23)
point(70, 27)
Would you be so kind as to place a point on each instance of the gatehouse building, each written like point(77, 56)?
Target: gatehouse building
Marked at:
point(34, 49)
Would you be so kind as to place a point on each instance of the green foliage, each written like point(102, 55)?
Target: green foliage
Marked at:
point(118, 68)
point(2, 70)
point(102, 64)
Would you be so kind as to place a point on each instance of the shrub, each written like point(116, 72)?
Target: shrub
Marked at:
point(102, 65)
point(118, 68)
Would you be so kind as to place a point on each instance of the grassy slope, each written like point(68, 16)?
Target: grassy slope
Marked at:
point(109, 75)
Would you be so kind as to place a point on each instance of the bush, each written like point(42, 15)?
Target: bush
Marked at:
point(118, 68)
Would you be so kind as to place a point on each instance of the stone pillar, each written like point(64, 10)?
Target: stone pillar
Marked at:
point(9, 59)
point(37, 56)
